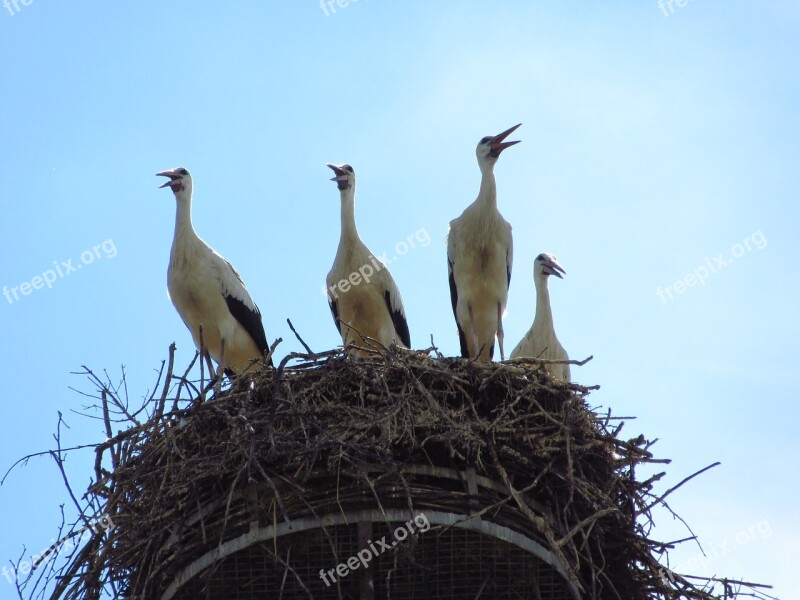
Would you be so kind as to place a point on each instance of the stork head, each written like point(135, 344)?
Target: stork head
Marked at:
point(179, 180)
point(546, 265)
point(344, 177)
point(490, 147)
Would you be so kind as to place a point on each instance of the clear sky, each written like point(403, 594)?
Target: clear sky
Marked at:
point(659, 148)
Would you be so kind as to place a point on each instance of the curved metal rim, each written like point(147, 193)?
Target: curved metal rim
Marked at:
point(261, 534)
point(467, 475)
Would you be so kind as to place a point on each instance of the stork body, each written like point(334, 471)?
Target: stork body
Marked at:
point(480, 254)
point(541, 340)
point(362, 294)
point(208, 293)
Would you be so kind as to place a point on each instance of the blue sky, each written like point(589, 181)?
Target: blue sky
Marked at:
point(654, 144)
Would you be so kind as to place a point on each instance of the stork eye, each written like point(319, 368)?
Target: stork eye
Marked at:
point(541, 257)
point(182, 171)
point(349, 168)
point(486, 139)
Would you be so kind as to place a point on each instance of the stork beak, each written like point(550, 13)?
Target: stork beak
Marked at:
point(341, 179)
point(340, 173)
point(497, 143)
point(551, 267)
point(173, 175)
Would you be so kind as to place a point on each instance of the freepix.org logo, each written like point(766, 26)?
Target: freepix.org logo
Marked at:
point(374, 549)
point(755, 241)
point(13, 6)
point(68, 544)
point(61, 268)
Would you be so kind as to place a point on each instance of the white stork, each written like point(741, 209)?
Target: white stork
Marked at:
point(207, 291)
point(541, 340)
point(362, 294)
point(479, 258)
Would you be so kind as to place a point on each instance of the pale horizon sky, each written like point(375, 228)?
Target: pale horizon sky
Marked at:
point(653, 146)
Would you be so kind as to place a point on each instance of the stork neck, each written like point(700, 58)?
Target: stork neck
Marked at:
point(488, 191)
point(183, 214)
point(348, 214)
point(544, 314)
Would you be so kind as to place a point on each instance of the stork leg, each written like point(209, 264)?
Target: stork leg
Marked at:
point(205, 355)
point(220, 368)
point(473, 333)
point(209, 364)
point(500, 331)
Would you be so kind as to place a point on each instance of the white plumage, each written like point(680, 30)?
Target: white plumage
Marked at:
point(362, 294)
point(207, 291)
point(541, 340)
point(479, 258)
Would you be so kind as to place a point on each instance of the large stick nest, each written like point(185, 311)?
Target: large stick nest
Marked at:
point(341, 432)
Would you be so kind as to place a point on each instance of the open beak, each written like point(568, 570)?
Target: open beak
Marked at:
point(173, 176)
point(340, 177)
point(497, 143)
point(340, 173)
point(551, 267)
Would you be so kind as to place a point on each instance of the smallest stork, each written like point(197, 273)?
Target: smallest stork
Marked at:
point(209, 294)
point(541, 340)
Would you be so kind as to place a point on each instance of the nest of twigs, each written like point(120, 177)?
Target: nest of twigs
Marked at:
point(336, 433)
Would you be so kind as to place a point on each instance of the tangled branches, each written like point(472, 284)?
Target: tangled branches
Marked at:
point(333, 435)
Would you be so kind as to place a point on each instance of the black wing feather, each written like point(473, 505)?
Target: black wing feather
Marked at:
point(335, 312)
point(251, 321)
point(454, 300)
point(508, 272)
point(399, 320)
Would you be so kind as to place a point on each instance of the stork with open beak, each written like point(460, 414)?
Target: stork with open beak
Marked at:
point(541, 340)
point(208, 293)
point(479, 257)
point(362, 294)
